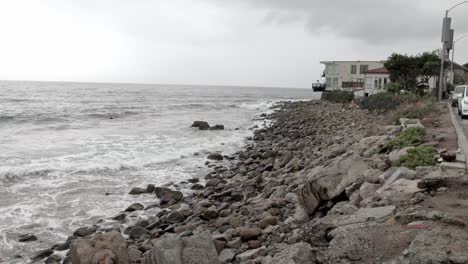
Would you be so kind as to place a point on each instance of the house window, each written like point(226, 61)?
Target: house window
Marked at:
point(376, 83)
point(363, 69)
point(335, 83)
point(329, 82)
point(385, 80)
point(353, 69)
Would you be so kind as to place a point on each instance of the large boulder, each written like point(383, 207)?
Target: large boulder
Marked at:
point(441, 245)
point(202, 125)
point(198, 249)
point(102, 248)
point(367, 244)
point(327, 183)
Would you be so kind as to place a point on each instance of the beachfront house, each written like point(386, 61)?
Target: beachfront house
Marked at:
point(348, 75)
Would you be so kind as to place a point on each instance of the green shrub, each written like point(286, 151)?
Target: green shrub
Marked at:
point(381, 102)
point(408, 138)
point(420, 156)
point(338, 96)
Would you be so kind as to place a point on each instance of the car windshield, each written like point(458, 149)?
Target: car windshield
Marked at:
point(459, 89)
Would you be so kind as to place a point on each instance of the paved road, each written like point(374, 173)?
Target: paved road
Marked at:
point(461, 127)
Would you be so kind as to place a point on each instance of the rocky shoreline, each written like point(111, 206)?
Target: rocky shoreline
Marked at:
point(317, 186)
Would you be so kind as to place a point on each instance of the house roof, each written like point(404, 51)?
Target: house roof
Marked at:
point(460, 66)
point(379, 71)
point(351, 61)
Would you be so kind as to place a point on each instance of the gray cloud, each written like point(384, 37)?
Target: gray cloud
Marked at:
point(372, 21)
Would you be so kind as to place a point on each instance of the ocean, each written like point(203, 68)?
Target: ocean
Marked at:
point(71, 152)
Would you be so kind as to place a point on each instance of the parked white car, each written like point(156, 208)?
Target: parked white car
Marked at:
point(457, 93)
point(463, 101)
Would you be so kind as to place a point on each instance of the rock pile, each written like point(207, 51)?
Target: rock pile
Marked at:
point(314, 187)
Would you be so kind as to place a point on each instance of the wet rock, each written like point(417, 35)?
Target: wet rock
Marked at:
point(160, 191)
point(202, 125)
point(84, 231)
point(65, 245)
point(171, 197)
point(42, 254)
point(217, 127)
point(137, 190)
point(215, 156)
point(251, 233)
point(134, 207)
point(119, 217)
point(197, 187)
point(150, 188)
point(175, 217)
point(102, 248)
point(136, 232)
point(27, 238)
point(53, 259)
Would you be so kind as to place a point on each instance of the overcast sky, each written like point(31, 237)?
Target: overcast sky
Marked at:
point(228, 42)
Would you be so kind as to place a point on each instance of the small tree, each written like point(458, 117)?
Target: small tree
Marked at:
point(405, 69)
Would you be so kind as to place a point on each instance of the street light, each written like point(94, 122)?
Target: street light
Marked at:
point(447, 41)
point(453, 55)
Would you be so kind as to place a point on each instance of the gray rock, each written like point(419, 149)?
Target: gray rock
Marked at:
point(326, 183)
point(398, 153)
point(363, 215)
point(134, 207)
point(368, 190)
point(252, 254)
point(187, 250)
point(248, 233)
point(101, 248)
point(441, 245)
point(134, 255)
point(136, 232)
point(171, 197)
point(267, 221)
point(227, 255)
point(300, 253)
point(175, 217)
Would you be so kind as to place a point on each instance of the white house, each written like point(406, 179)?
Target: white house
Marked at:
point(348, 75)
point(375, 81)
